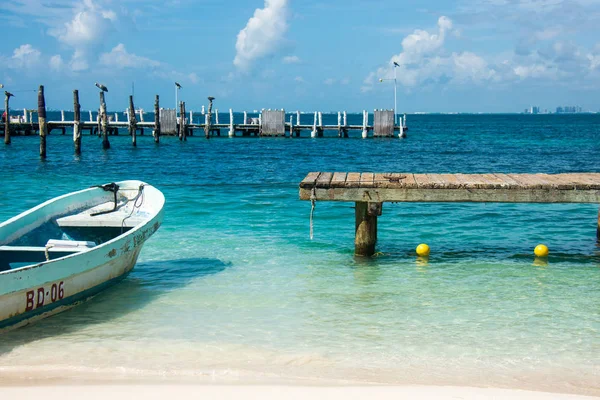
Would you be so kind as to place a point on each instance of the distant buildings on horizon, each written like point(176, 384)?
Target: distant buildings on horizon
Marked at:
point(559, 110)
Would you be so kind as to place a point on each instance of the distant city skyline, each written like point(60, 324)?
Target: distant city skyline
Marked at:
point(452, 56)
point(558, 110)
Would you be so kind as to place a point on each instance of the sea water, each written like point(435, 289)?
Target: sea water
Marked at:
point(232, 289)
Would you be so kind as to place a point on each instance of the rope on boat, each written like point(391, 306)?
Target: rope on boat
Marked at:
point(109, 187)
point(48, 247)
point(138, 196)
point(313, 203)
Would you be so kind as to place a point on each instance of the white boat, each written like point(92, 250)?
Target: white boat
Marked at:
point(68, 249)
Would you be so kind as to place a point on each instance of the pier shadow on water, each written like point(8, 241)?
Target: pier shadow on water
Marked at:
point(147, 282)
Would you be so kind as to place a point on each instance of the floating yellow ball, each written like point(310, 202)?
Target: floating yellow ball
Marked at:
point(422, 250)
point(541, 250)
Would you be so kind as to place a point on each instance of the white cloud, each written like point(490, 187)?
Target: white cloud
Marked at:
point(56, 63)
point(263, 33)
point(594, 60)
point(193, 77)
point(531, 71)
point(26, 56)
point(119, 58)
point(469, 66)
point(299, 79)
point(291, 60)
point(333, 81)
point(79, 61)
point(90, 25)
point(424, 60)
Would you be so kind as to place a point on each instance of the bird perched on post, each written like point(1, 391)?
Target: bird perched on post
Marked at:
point(101, 87)
point(396, 64)
point(178, 85)
point(9, 94)
point(210, 98)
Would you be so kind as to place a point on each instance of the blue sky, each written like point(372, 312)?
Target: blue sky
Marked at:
point(453, 56)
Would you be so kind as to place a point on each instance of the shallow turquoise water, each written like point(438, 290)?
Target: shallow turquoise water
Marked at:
point(231, 288)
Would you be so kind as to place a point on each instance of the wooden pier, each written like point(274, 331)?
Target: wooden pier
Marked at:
point(370, 190)
point(170, 124)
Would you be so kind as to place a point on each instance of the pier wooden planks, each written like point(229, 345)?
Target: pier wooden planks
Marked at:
point(489, 187)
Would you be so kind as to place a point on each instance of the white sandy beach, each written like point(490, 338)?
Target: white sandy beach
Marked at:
point(181, 391)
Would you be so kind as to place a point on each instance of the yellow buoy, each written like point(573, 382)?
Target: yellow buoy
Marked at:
point(541, 250)
point(422, 250)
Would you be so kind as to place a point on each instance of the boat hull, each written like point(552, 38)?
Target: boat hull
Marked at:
point(42, 289)
point(31, 304)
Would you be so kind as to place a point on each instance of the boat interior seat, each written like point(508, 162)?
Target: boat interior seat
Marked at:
point(16, 256)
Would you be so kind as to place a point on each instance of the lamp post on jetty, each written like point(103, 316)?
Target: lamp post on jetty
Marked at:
point(395, 84)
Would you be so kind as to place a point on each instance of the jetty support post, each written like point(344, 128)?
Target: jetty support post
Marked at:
point(291, 126)
point(365, 238)
point(7, 120)
point(42, 121)
point(320, 130)
point(598, 229)
point(182, 124)
point(76, 122)
point(365, 133)
point(339, 124)
point(260, 123)
point(313, 133)
point(208, 117)
point(132, 122)
point(103, 122)
point(156, 121)
point(231, 128)
point(345, 125)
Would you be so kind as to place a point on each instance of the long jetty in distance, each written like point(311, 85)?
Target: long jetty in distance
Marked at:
point(269, 123)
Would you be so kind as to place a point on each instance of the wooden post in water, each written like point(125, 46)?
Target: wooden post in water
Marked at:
point(76, 122)
point(208, 115)
point(231, 128)
point(7, 120)
point(598, 229)
point(182, 124)
point(366, 228)
point(42, 121)
point(156, 121)
point(103, 122)
point(132, 122)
